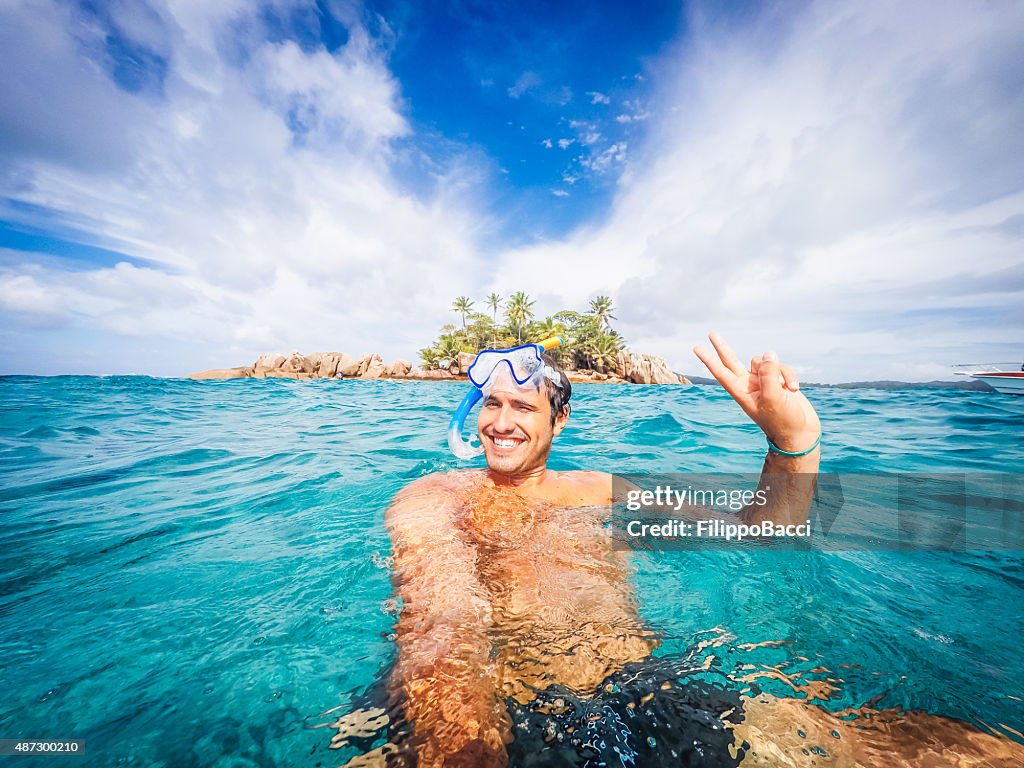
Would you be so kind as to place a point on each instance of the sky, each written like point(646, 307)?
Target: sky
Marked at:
point(186, 185)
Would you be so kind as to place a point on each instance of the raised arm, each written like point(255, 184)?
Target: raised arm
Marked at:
point(444, 679)
point(769, 393)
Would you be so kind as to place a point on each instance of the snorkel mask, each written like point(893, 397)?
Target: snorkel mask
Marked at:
point(523, 363)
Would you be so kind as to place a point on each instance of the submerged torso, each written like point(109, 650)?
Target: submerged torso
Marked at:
point(563, 610)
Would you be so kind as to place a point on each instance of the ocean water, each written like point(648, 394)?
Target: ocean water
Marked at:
point(194, 573)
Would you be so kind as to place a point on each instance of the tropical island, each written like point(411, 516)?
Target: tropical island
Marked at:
point(596, 352)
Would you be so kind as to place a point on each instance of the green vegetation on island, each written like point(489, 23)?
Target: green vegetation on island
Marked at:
point(596, 352)
point(592, 342)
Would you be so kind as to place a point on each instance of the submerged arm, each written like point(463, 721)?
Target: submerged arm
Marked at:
point(444, 677)
point(788, 485)
point(769, 393)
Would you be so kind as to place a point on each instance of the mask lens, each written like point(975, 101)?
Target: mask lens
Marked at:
point(522, 363)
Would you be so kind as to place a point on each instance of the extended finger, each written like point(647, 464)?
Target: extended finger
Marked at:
point(754, 363)
point(718, 369)
point(728, 356)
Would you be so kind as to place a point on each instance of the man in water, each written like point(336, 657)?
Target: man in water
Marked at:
point(511, 592)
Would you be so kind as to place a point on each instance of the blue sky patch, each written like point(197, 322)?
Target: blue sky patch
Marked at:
point(74, 255)
point(135, 67)
point(311, 27)
point(555, 94)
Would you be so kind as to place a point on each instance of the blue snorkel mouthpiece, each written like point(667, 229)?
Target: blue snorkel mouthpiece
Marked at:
point(523, 363)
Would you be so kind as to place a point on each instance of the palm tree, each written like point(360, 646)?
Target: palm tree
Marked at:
point(430, 357)
point(479, 332)
point(604, 349)
point(463, 306)
point(518, 312)
point(494, 301)
point(448, 349)
point(547, 328)
point(601, 309)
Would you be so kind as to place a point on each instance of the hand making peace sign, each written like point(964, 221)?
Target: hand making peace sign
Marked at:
point(768, 392)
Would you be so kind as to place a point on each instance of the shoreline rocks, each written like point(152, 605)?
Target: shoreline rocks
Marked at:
point(322, 365)
point(631, 367)
point(638, 368)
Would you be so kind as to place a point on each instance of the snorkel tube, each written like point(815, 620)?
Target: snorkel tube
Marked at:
point(459, 446)
point(462, 447)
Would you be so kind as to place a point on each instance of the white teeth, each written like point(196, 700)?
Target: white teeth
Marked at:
point(505, 443)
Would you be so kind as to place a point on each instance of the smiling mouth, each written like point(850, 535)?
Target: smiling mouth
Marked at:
point(506, 443)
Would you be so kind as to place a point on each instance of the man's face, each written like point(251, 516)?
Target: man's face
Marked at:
point(515, 426)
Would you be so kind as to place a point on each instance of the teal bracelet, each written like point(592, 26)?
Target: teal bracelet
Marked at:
point(792, 454)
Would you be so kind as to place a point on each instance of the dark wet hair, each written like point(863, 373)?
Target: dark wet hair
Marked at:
point(560, 393)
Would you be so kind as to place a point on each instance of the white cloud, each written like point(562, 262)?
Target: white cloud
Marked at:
point(246, 236)
point(547, 143)
point(348, 96)
point(634, 113)
point(601, 162)
point(532, 84)
point(525, 82)
point(841, 186)
point(560, 192)
point(565, 143)
point(587, 131)
point(22, 295)
point(596, 97)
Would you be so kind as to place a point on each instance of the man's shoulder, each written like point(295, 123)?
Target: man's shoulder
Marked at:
point(584, 487)
point(437, 481)
point(588, 476)
point(428, 499)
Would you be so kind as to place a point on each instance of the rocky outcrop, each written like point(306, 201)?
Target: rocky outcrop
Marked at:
point(593, 377)
point(224, 373)
point(269, 362)
point(432, 375)
point(296, 363)
point(646, 369)
point(398, 369)
point(326, 364)
point(463, 361)
point(349, 367)
point(321, 365)
point(370, 367)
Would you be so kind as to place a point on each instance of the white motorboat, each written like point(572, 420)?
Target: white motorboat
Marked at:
point(1002, 377)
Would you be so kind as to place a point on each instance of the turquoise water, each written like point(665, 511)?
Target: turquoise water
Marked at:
point(194, 572)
